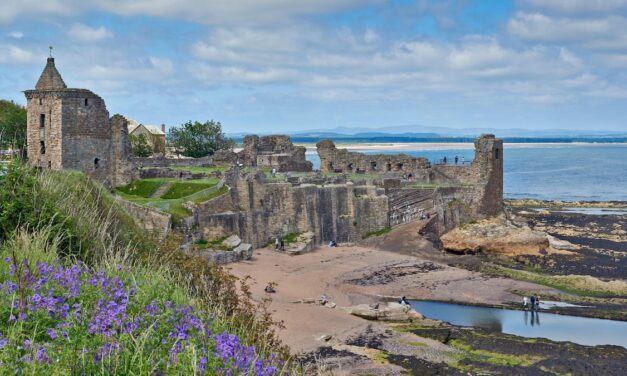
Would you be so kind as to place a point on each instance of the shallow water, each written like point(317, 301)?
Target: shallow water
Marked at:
point(570, 172)
point(591, 211)
point(581, 330)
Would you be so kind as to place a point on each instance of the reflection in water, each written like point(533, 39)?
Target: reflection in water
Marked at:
point(582, 330)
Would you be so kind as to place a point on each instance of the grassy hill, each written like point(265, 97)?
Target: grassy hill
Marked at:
point(84, 291)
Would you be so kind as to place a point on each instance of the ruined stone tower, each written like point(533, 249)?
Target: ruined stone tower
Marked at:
point(70, 129)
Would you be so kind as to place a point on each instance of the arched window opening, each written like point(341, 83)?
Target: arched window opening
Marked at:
point(86, 102)
point(496, 153)
point(96, 163)
point(373, 165)
point(42, 147)
point(42, 120)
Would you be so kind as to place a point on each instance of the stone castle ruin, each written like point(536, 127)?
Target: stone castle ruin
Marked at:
point(333, 159)
point(71, 129)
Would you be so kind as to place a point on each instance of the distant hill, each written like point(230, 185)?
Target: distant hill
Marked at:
point(420, 133)
point(513, 136)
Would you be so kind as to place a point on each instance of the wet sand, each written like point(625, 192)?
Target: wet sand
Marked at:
point(356, 275)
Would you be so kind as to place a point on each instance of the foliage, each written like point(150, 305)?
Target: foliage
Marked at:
point(183, 189)
point(114, 318)
point(575, 284)
point(196, 139)
point(379, 232)
point(290, 238)
point(12, 125)
point(142, 188)
point(140, 145)
point(91, 242)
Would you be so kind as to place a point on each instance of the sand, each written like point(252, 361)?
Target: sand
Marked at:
point(379, 274)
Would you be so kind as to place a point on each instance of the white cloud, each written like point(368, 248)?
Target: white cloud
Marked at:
point(16, 34)
point(14, 54)
point(85, 33)
point(577, 6)
point(212, 12)
point(539, 27)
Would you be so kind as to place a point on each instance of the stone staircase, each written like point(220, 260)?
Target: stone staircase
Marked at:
point(408, 204)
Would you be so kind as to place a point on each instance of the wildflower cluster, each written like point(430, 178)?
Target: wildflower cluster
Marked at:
point(103, 321)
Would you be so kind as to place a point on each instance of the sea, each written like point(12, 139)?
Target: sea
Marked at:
point(567, 172)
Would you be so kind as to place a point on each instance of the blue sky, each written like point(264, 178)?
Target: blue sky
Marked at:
point(286, 65)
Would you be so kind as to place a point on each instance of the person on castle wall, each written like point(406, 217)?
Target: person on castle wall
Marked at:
point(456, 159)
point(525, 303)
point(537, 307)
point(533, 302)
point(445, 160)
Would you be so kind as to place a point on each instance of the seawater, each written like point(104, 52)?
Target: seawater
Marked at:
point(581, 330)
point(569, 172)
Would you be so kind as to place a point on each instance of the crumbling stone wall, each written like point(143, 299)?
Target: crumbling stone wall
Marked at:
point(333, 159)
point(71, 129)
point(274, 152)
point(154, 221)
point(262, 210)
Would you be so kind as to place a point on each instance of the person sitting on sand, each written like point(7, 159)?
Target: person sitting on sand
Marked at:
point(323, 299)
point(403, 301)
point(269, 289)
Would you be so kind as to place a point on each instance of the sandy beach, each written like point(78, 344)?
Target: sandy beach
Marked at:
point(355, 275)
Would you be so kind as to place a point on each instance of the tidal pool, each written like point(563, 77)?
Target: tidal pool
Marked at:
point(581, 330)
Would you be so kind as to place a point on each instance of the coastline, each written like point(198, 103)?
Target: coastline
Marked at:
point(400, 263)
point(418, 146)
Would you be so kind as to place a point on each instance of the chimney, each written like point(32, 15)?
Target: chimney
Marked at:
point(162, 127)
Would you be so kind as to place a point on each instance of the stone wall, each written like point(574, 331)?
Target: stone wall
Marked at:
point(154, 221)
point(333, 159)
point(274, 152)
point(173, 162)
point(266, 210)
point(71, 129)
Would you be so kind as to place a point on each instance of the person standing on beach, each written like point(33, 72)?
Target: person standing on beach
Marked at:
point(525, 302)
point(537, 302)
point(533, 302)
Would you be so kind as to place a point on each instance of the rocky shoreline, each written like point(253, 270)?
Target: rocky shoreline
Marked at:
point(329, 340)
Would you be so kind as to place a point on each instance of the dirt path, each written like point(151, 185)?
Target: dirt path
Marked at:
point(161, 190)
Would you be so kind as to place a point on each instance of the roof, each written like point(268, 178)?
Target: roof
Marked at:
point(133, 125)
point(50, 78)
point(154, 130)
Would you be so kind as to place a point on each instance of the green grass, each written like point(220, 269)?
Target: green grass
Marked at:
point(499, 359)
point(142, 188)
point(199, 170)
point(172, 201)
point(213, 244)
point(186, 188)
point(574, 284)
point(379, 232)
point(69, 217)
point(290, 238)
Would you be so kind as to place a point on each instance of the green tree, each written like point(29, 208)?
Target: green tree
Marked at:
point(140, 145)
point(196, 139)
point(12, 126)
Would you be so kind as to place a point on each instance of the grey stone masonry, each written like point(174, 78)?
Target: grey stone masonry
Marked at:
point(70, 129)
